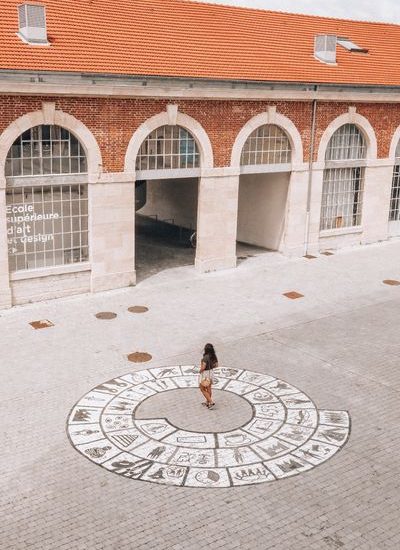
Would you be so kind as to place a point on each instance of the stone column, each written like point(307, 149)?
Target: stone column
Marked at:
point(217, 220)
point(296, 213)
point(376, 203)
point(315, 210)
point(112, 231)
point(5, 291)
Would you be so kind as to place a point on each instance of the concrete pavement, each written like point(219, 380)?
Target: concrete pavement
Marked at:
point(339, 344)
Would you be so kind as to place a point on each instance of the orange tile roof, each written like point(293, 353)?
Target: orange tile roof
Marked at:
point(182, 38)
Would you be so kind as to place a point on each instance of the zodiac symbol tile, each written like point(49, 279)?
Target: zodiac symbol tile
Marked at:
point(286, 435)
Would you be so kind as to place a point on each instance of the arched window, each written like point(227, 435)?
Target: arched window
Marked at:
point(168, 148)
point(268, 144)
point(46, 199)
point(394, 212)
point(45, 150)
point(343, 183)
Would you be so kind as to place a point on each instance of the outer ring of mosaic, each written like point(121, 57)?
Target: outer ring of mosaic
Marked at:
point(286, 435)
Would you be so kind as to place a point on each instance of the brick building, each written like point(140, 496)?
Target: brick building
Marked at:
point(273, 129)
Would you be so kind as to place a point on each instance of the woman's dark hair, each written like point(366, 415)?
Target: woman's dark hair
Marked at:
point(210, 351)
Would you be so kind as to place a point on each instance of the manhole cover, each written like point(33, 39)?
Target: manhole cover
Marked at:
point(293, 295)
point(327, 253)
point(139, 357)
point(391, 282)
point(138, 309)
point(106, 315)
point(41, 324)
point(310, 257)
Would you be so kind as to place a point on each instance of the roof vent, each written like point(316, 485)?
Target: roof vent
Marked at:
point(325, 48)
point(32, 24)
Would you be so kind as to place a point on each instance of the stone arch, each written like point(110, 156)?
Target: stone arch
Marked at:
point(351, 117)
point(175, 118)
point(269, 117)
point(394, 144)
point(49, 115)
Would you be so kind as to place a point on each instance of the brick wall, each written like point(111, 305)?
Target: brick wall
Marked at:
point(113, 121)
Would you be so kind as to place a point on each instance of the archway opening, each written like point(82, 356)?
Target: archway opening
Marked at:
point(167, 182)
point(263, 190)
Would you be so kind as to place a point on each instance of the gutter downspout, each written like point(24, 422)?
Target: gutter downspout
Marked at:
point(310, 172)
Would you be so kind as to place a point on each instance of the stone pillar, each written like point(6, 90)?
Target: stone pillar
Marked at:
point(315, 210)
point(112, 232)
point(217, 220)
point(376, 203)
point(5, 291)
point(296, 213)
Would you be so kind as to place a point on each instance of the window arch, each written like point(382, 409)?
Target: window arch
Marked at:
point(267, 144)
point(46, 199)
point(347, 143)
point(168, 148)
point(343, 181)
point(394, 211)
point(44, 150)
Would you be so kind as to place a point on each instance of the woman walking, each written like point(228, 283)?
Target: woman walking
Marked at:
point(209, 361)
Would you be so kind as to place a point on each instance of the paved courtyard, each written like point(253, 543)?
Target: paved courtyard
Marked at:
point(336, 350)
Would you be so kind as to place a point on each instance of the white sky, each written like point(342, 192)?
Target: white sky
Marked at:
point(370, 10)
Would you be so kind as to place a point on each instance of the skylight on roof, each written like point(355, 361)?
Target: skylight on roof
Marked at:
point(350, 46)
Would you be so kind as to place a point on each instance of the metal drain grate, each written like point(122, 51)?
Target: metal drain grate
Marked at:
point(138, 309)
point(106, 315)
point(139, 357)
point(41, 324)
point(293, 295)
point(391, 282)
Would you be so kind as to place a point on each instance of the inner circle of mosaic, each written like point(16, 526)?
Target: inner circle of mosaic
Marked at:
point(285, 436)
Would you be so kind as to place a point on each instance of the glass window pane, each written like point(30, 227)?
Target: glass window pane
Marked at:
point(74, 165)
point(342, 198)
point(347, 143)
point(40, 229)
point(83, 165)
point(268, 144)
point(45, 142)
point(16, 150)
point(8, 168)
point(37, 166)
point(27, 149)
point(56, 165)
point(168, 147)
point(65, 168)
point(46, 166)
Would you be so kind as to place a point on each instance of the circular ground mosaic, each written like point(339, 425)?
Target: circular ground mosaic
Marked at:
point(285, 436)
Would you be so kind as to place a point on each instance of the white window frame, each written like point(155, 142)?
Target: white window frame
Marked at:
point(32, 260)
point(343, 181)
point(259, 155)
point(162, 154)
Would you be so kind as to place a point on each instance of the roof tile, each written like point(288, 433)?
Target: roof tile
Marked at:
point(182, 38)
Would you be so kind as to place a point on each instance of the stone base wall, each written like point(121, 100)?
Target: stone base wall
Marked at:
point(47, 288)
